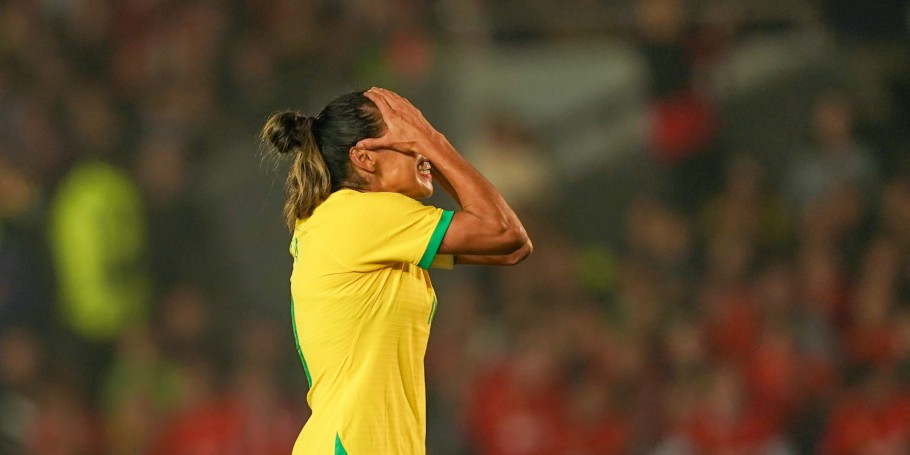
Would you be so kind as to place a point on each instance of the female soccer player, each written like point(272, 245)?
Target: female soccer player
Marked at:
point(362, 301)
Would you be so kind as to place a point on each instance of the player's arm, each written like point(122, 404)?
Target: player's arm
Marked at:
point(483, 259)
point(496, 259)
point(485, 225)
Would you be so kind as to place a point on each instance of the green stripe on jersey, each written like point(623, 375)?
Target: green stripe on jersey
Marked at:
point(433, 311)
point(309, 380)
point(339, 449)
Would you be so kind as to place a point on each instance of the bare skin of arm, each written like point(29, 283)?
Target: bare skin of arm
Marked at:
point(485, 230)
point(483, 259)
point(496, 259)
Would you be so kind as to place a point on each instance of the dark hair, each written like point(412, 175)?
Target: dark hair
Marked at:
point(320, 146)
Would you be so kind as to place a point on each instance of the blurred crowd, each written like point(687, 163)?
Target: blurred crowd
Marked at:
point(737, 301)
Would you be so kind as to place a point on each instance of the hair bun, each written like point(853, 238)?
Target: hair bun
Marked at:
point(287, 130)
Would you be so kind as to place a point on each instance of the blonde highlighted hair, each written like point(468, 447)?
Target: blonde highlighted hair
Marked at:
point(320, 146)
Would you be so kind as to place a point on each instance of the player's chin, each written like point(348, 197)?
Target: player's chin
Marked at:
point(426, 192)
point(419, 191)
point(423, 190)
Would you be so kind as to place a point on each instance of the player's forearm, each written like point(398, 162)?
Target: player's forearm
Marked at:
point(496, 259)
point(473, 192)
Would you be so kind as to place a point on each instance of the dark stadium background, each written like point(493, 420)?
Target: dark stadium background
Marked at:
point(718, 193)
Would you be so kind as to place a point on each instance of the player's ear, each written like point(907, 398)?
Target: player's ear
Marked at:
point(363, 159)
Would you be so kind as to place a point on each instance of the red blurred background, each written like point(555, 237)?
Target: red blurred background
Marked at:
point(718, 193)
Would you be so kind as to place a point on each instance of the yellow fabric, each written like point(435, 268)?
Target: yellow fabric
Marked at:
point(444, 261)
point(362, 310)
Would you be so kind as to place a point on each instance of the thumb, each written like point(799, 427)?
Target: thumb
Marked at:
point(373, 143)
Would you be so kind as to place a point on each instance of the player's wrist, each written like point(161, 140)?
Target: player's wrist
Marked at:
point(438, 147)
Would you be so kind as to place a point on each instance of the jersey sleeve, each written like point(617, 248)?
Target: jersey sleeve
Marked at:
point(443, 261)
point(390, 227)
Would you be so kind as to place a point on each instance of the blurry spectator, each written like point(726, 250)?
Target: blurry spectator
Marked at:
point(873, 51)
point(140, 391)
point(86, 32)
point(775, 374)
point(896, 211)
point(902, 347)
point(510, 156)
point(186, 324)
point(23, 253)
point(94, 126)
point(549, 275)
point(448, 357)
point(683, 120)
point(743, 208)
point(167, 65)
point(871, 337)
point(874, 417)
point(98, 238)
point(732, 319)
point(663, 26)
point(252, 417)
point(198, 422)
point(824, 289)
point(62, 423)
point(38, 144)
point(43, 409)
point(597, 421)
point(252, 68)
point(727, 420)
point(518, 404)
point(20, 192)
point(164, 173)
point(683, 349)
point(21, 362)
point(836, 158)
point(659, 243)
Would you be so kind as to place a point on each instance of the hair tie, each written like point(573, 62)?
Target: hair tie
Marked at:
point(307, 123)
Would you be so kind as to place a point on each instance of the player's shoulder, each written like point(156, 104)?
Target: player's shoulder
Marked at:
point(379, 196)
point(348, 209)
point(371, 200)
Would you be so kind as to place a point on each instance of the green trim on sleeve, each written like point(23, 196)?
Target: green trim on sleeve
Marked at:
point(309, 379)
point(436, 239)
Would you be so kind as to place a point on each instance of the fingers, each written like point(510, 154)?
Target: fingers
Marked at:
point(391, 95)
point(371, 143)
point(395, 101)
point(381, 144)
point(386, 110)
point(380, 99)
point(392, 106)
point(405, 124)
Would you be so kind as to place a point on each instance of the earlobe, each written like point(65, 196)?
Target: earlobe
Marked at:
point(362, 159)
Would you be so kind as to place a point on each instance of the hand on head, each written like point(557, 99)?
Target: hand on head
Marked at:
point(407, 130)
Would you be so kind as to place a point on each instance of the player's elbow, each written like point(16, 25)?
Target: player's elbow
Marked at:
point(513, 239)
point(527, 250)
point(521, 254)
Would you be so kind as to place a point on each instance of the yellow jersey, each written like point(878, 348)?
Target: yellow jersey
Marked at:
point(362, 305)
